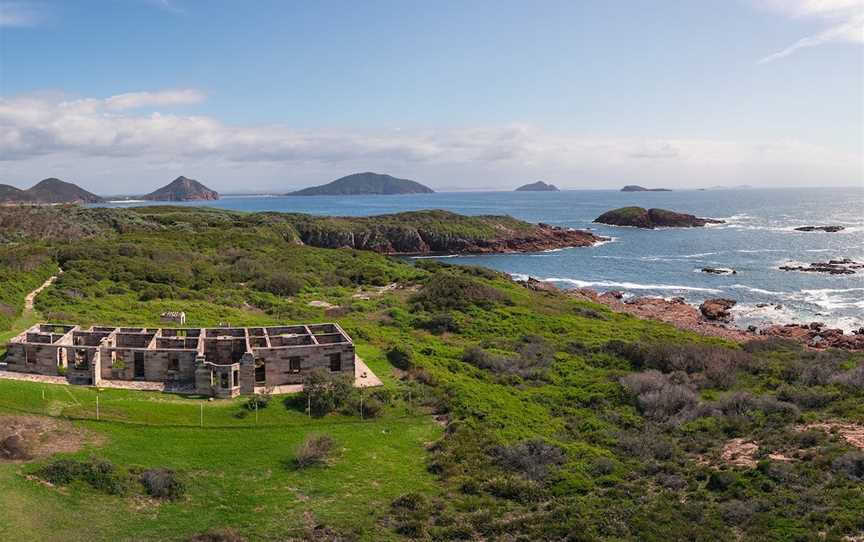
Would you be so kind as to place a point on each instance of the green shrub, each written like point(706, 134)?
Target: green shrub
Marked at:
point(313, 451)
point(99, 474)
point(400, 357)
point(162, 483)
point(452, 291)
point(325, 392)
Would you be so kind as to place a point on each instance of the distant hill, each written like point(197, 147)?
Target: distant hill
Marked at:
point(539, 186)
point(182, 189)
point(10, 194)
point(365, 184)
point(48, 191)
point(637, 188)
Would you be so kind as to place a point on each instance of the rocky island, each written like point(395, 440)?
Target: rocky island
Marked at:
point(365, 184)
point(828, 229)
point(539, 186)
point(637, 188)
point(182, 189)
point(639, 217)
point(47, 192)
point(843, 266)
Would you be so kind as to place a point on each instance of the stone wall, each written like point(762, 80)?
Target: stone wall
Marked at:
point(277, 361)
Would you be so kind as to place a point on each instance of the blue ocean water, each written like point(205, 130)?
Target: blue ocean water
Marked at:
point(757, 238)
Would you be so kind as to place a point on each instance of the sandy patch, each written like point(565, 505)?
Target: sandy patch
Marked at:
point(739, 453)
point(851, 432)
point(46, 436)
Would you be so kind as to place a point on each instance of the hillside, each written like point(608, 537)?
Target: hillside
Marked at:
point(48, 191)
point(10, 194)
point(365, 184)
point(506, 414)
point(639, 217)
point(182, 189)
point(539, 186)
point(419, 232)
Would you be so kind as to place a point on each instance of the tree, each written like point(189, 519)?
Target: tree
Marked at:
point(325, 391)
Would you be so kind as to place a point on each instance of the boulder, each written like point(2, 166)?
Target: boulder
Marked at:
point(829, 229)
point(717, 309)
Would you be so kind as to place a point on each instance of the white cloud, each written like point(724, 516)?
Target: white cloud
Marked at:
point(134, 100)
point(844, 20)
point(123, 135)
point(20, 14)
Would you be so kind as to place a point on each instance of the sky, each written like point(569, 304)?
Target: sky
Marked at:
point(122, 96)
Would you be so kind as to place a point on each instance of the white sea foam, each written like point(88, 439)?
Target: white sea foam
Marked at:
point(438, 257)
point(756, 290)
point(629, 285)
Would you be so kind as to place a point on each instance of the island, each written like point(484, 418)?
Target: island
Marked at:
point(639, 217)
point(47, 192)
point(539, 186)
point(367, 183)
point(637, 188)
point(182, 189)
point(829, 229)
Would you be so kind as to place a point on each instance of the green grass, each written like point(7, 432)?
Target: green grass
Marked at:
point(235, 476)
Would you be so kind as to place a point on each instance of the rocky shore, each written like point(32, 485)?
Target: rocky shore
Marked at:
point(712, 318)
point(410, 237)
point(843, 266)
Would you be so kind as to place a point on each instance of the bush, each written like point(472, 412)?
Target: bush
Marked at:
point(533, 459)
point(850, 465)
point(853, 379)
point(162, 483)
point(314, 451)
point(440, 323)
point(280, 283)
point(532, 359)
point(99, 474)
point(14, 447)
point(452, 291)
point(400, 357)
point(721, 480)
point(324, 391)
point(218, 535)
point(514, 488)
point(259, 401)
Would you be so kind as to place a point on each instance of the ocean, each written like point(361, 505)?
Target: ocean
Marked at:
point(756, 239)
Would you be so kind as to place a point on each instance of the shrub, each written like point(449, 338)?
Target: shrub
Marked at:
point(324, 391)
point(162, 483)
point(533, 459)
point(451, 291)
point(314, 451)
point(218, 535)
point(372, 407)
point(772, 344)
point(721, 480)
point(280, 283)
point(439, 323)
point(400, 357)
point(259, 401)
point(99, 474)
point(514, 488)
point(532, 359)
point(850, 465)
point(659, 397)
point(14, 447)
point(853, 378)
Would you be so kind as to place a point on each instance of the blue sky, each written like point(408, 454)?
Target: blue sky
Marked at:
point(122, 95)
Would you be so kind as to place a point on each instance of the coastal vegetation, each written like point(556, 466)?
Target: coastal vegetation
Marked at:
point(506, 413)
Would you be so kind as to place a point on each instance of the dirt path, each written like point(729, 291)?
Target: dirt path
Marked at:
point(31, 297)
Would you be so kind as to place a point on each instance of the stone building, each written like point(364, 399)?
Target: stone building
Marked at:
point(220, 362)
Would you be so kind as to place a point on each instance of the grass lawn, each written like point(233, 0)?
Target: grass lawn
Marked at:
point(236, 476)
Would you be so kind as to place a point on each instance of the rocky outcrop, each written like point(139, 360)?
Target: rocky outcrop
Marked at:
point(844, 266)
point(717, 309)
point(719, 271)
point(639, 217)
point(816, 335)
point(829, 229)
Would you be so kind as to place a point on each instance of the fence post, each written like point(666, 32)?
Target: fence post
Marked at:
point(97, 406)
point(202, 415)
point(361, 403)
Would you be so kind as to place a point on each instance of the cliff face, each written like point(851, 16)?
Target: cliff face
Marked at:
point(408, 239)
point(638, 217)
